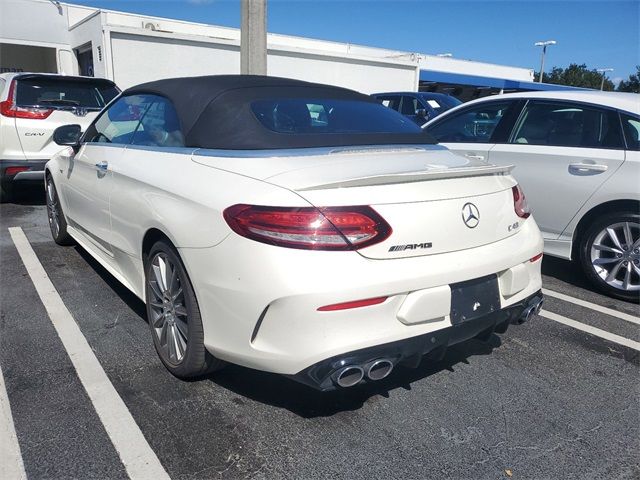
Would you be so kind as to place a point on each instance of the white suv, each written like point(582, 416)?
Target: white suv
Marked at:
point(32, 106)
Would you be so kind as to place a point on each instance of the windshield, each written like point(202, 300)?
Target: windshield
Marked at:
point(322, 116)
point(65, 93)
point(441, 103)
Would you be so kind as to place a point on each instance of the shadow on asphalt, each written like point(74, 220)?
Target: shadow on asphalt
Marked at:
point(133, 302)
point(32, 194)
point(279, 391)
point(565, 271)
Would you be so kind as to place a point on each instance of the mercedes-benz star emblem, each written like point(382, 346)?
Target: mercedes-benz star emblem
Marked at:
point(470, 215)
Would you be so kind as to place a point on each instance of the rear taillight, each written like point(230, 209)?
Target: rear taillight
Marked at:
point(9, 171)
point(329, 228)
point(520, 202)
point(8, 108)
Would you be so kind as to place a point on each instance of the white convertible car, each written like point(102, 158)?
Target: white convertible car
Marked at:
point(293, 227)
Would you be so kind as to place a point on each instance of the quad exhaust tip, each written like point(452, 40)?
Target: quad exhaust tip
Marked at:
point(379, 369)
point(349, 376)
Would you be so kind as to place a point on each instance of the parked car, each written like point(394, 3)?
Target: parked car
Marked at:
point(576, 155)
point(293, 227)
point(418, 106)
point(32, 106)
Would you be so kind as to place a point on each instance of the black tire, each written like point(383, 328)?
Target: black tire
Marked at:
point(196, 360)
point(596, 233)
point(55, 215)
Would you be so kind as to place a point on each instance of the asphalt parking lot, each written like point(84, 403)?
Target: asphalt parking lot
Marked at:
point(544, 400)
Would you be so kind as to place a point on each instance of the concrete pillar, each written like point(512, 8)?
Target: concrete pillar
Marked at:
point(253, 37)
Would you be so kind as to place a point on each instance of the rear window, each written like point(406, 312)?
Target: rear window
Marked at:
point(330, 116)
point(64, 93)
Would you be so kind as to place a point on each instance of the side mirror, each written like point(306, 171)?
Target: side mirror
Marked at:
point(421, 113)
point(67, 135)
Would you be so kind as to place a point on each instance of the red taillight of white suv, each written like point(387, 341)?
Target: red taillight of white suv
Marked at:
point(309, 228)
point(8, 108)
point(520, 202)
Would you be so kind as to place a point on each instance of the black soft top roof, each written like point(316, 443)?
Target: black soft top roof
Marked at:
point(215, 112)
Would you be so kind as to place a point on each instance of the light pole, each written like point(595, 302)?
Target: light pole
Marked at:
point(544, 46)
point(603, 71)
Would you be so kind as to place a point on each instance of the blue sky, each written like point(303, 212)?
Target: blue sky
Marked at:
point(600, 33)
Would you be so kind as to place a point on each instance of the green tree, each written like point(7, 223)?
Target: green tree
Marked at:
point(633, 84)
point(576, 76)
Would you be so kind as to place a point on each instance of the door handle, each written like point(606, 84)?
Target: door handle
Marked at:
point(102, 166)
point(473, 156)
point(587, 167)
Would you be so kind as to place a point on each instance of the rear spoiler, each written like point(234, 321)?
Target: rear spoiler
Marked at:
point(421, 176)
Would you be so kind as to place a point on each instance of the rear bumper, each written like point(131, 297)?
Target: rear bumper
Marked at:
point(34, 170)
point(259, 304)
point(410, 352)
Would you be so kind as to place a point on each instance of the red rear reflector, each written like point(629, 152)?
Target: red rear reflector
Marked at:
point(536, 258)
point(520, 202)
point(354, 304)
point(8, 108)
point(14, 170)
point(329, 228)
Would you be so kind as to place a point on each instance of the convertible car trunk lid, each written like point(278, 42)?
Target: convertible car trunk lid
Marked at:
point(434, 201)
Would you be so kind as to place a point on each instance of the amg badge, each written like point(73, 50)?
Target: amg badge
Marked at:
point(410, 246)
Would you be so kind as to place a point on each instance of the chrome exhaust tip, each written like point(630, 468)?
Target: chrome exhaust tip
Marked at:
point(539, 306)
point(533, 309)
point(379, 369)
point(349, 376)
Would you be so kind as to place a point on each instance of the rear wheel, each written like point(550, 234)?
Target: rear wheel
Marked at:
point(174, 315)
point(57, 222)
point(610, 255)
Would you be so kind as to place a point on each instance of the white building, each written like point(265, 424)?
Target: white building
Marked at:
point(48, 36)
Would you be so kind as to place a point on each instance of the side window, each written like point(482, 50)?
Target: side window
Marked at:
point(564, 124)
point(475, 124)
point(409, 105)
point(159, 125)
point(391, 101)
point(631, 127)
point(119, 122)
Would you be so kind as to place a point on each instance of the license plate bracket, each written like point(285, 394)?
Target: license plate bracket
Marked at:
point(474, 298)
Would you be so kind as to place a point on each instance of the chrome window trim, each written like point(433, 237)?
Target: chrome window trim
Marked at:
point(156, 148)
point(315, 151)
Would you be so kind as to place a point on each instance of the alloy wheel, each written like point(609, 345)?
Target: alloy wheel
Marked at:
point(53, 212)
point(169, 315)
point(615, 255)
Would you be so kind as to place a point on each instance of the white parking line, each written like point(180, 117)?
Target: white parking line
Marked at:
point(592, 330)
point(593, 306)
point(137, 456)
point(11, 466)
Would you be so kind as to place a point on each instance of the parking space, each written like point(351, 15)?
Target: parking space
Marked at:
point(546, 399)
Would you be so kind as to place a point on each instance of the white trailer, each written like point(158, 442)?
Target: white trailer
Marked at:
point(131, 49)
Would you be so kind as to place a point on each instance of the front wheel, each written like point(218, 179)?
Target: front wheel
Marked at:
point(57, 222)
point(610, 255)
point(174, 315)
